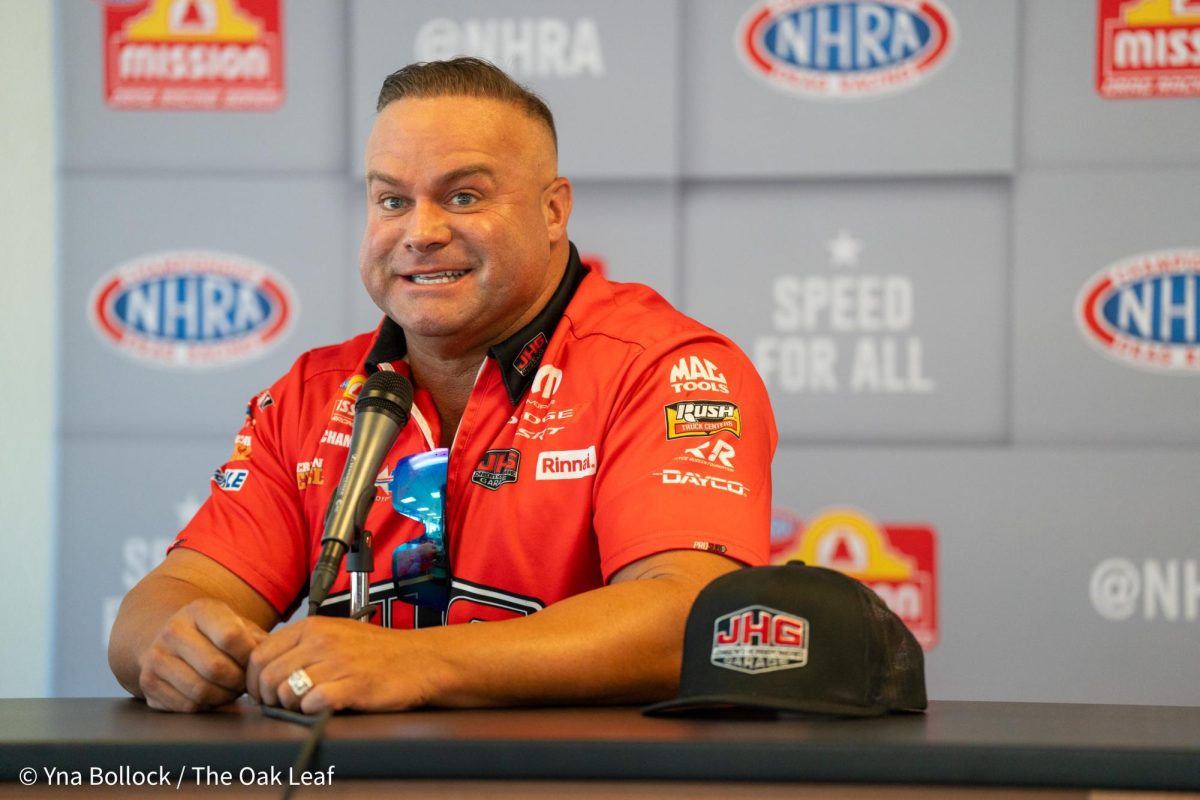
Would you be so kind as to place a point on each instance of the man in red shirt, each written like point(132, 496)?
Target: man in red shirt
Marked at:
point(608, 456)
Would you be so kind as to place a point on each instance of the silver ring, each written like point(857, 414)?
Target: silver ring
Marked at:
point(300, 683)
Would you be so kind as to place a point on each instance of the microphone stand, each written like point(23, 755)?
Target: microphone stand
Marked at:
point(360, 562)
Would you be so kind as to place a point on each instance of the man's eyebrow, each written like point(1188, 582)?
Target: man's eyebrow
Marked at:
point(375, 176)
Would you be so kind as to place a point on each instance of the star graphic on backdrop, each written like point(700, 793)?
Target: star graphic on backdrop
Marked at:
point(843, 249)
point(186, 508)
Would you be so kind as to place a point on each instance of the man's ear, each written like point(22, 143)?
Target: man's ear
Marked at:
point(556, 207)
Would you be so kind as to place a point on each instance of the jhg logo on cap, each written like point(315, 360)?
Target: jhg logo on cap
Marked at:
point(759, 639)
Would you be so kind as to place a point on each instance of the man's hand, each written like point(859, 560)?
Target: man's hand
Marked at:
point(185, 632)
point(198, 660)
point(351, 665)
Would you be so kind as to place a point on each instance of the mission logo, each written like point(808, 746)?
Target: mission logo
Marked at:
point(1148, 48)
point(193, 54)
point(1144, 311)
point(832, 50)
point(192, 309)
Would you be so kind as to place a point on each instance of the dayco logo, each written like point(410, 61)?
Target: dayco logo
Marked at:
point(496, 468)
point(759, 639)
point(1145, 311)
point(1149, 48)
point(898, 562)
point(697, 375)
point(530, 48)
point(702, 418)
point(845, 49)
point(193, 54)
point(562, 465)
point(676, 476)
point(192, 309)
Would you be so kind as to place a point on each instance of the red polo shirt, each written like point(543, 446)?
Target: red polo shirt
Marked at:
point(611, 428)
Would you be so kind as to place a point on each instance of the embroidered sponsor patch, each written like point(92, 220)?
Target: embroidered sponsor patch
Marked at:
point(496, 468)
point(758, 639)
point(231, 480)
point(702, 418)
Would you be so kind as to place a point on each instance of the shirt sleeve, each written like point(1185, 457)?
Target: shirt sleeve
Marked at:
point(686, 459)
point(253, 521)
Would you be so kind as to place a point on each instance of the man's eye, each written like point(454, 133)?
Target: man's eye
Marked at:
point(392, 203)
point(462, 199)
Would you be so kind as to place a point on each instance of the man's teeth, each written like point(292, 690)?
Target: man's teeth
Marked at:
point(437, 277)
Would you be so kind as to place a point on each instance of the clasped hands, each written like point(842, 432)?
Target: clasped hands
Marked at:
point(207, 655)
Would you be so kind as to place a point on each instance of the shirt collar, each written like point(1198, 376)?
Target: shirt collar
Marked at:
point(518, 356)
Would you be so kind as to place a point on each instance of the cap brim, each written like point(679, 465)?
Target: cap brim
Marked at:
point(719, 704)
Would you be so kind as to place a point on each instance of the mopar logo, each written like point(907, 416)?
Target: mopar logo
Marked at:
point(192, 309)
point(1144, 311)
point(845, 49)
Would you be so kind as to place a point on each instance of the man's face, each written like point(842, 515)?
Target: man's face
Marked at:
point(464, 209)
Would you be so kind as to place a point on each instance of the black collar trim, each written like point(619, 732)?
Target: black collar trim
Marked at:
point(518, 356)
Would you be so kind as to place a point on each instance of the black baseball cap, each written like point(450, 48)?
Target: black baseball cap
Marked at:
point(795, 638)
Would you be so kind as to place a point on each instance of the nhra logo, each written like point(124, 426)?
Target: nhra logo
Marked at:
point(702, 418)
point(1148, 48)
point(192, 310)
point(496, 468)
point(897, 562)
point(759, 639)
point(193, 54)
point(843, 49)
point(1144, 311)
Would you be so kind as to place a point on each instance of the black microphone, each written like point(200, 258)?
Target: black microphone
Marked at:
point(379, 415)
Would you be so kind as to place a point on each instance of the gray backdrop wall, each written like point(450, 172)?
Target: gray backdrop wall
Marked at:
point(969, 280)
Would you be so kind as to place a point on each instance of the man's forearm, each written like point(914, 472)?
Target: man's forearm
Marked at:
point(143, 614)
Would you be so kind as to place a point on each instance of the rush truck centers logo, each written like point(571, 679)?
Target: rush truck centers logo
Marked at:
point(1148, 48)
point(845, 49)
point(898, 562)
point(193, 54)
point(1144, 311)
point(192, 309)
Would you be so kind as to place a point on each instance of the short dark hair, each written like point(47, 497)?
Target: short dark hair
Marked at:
point(467, 77)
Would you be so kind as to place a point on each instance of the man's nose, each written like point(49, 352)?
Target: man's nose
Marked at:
point(427, 227)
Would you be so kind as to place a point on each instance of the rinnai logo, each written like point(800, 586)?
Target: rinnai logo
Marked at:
point(230, 480)
point(758, 639)
point(1148, 48)
point(563, 465)
point(1144, 311)
point(1167, 589)
point(694, 374)
point(546, 47)
point(845, 49)
point(193, 54)
point(702, 418)
point(192, 309)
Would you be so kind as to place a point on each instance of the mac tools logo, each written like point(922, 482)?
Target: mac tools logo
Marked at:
point(833, 50)
point(1144, 311)
point(192, 309)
